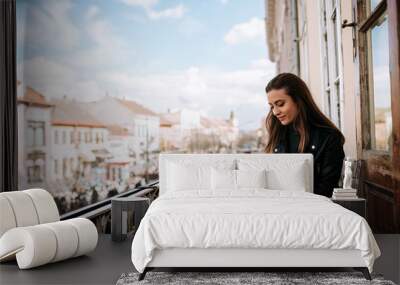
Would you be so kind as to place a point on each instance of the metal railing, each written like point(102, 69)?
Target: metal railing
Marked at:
point(98, 208)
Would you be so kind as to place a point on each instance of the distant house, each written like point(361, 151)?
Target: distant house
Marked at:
point(34, 125)
point(79, 143)
point(225, 129)
point(188, 130)
point(170, 132)
point(140, 123)
point(119, 166)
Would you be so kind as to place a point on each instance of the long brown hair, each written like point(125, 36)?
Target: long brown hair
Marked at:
point(309, 114)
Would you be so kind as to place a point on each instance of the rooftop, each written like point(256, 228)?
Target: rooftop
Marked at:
point(33, 97)
point(72, 113)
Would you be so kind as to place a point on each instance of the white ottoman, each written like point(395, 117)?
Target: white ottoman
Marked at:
point(40, 244)
point(31, 231)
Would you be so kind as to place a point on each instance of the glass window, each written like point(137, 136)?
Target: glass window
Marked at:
point(379, 86)
point(35, 133)
point(64, 137)
point(55, 137)
point(331, 54)
point(76, 114)
point(35, 167)
point(71, 164)
point(65, 167)
point(337, 88)
point(373, 4)
point(39, 134)
point(335, 40)
point(30, 136)
point(329, 104)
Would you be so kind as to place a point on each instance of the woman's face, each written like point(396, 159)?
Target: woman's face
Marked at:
point(282, 106)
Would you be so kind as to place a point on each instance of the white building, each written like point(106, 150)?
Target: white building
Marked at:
point(141, 123)
point(121, 164)
point(187, 130)
point(34, 138)
point(79, 144)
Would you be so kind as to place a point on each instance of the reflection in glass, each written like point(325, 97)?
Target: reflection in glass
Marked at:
point(381, 116)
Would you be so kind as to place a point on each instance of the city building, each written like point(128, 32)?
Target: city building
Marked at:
point(34, 133)
point(190, 131)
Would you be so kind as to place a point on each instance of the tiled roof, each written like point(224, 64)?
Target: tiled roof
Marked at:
point(71, 113)
point(136, 108)
point(33, 97)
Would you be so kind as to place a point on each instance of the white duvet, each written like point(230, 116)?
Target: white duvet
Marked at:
point(252, 218)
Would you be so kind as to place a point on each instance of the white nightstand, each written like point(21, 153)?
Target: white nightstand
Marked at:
point(358, 205)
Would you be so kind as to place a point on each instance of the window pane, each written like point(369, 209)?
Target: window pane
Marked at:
point(329, 107)
point(337, 89)
point(373, 4)
point(30, 135)
point(381, 122)
point(335, 43)
point(39, 134)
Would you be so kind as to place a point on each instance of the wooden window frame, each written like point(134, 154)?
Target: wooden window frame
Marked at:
point(381, 183)
point(365, 74)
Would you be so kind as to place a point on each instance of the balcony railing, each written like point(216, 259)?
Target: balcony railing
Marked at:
point(100, 212)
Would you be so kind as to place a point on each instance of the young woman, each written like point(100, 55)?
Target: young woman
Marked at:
point(296, 125)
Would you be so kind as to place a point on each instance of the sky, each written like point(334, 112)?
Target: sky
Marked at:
point(206, 55)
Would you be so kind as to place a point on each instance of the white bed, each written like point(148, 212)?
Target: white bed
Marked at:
point(194, 223)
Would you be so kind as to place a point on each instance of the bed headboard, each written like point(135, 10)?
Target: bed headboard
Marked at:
point(232, 160)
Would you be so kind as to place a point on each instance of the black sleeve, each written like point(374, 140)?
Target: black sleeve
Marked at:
point(330, 166)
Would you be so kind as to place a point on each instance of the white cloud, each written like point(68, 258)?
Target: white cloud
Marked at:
point(108, 49)
point(141, 3)
point(212, 91)
point(174, 13)
point(153, 14)
point(51, 20)
point(92, 12)
point(224, 1)
point(244, 32)
point(55, 80)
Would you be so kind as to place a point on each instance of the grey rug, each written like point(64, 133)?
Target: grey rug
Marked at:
point(228, 278)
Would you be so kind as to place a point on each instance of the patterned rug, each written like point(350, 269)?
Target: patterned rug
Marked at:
point(229, 278)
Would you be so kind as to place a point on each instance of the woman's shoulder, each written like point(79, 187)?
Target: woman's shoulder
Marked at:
point(327, 134)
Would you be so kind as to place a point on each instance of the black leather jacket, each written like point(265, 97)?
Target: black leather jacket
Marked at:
point(326, 146)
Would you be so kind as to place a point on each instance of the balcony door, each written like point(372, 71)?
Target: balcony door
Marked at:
point(378, 132)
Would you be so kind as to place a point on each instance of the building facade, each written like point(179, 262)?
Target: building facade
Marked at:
point(34, 135)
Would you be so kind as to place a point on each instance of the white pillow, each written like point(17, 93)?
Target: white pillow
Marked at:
point(293, 178)
point(251, 178)
point(287, 173)
point(181, 177)
point(223, 179)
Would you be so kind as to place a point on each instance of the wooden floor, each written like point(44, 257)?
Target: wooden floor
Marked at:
point(110, 259)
